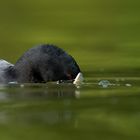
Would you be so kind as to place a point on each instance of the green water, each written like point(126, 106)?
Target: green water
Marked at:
point(104, 37)
point(51, 111)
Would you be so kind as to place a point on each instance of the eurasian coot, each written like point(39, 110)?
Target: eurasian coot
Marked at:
point(39, 64)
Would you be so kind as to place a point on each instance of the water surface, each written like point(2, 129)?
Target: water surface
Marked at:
point(104, 38)
point(64, 111)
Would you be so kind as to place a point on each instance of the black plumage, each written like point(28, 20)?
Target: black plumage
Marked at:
point(42, 63)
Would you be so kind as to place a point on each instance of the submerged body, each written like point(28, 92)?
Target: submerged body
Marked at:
point(40, 64)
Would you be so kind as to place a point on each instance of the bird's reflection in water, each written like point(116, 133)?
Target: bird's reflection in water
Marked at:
point(44, 91)
point(47, 104)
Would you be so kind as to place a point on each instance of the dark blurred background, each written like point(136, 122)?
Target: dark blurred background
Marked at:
point(102, 35)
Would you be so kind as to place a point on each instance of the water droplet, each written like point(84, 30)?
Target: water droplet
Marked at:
point(22, 85)
point(13, 83)
point(128, 85)
point(104, 83)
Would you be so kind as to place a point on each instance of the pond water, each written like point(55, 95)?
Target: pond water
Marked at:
point(65, 111)
point(104, 38)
